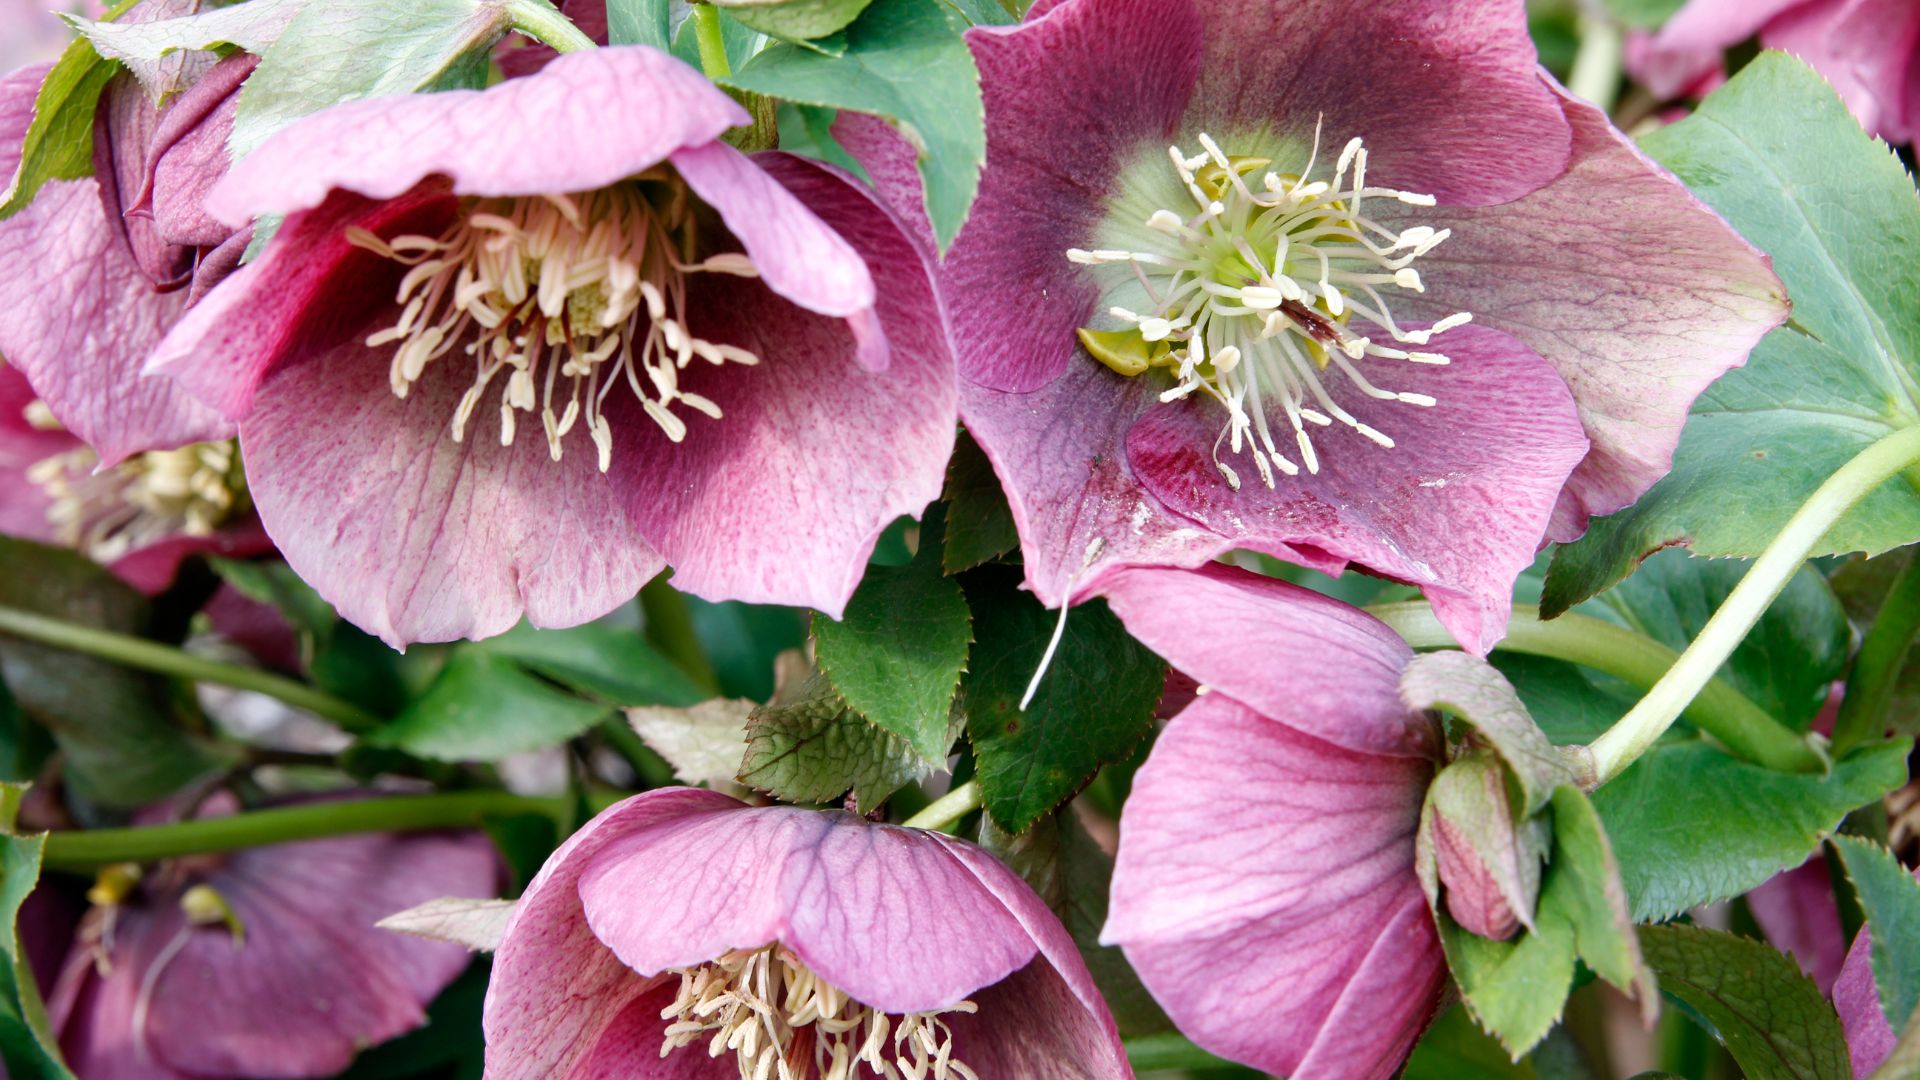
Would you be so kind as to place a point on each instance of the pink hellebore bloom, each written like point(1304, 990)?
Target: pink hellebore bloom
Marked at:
point(1796, 910)
point(1265, 886)
point(1868, 49)
point(1856, 997)
point(30, 32)
point(100, 268)
point(263, 964)
point(515, 350)
point(680, 925)
point(140, 517)
point(1346, 284)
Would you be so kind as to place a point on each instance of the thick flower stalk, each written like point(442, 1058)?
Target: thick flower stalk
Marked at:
point(514, 351)
point(682, 933)
point(1347, 286)
point(263, 963)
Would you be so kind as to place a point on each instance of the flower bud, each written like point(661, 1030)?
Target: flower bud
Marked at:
point(1486, 863)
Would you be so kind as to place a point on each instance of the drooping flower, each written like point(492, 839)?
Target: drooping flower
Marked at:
point(141, 516)
point(1868, 49)
point(684, 934)
point(263, 963)
point(1343, 284)
point(1265, 886)
point(1797, 912)
point(514, 350)
point(110, 262)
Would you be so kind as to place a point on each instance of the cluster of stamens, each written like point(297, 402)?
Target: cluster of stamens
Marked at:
point(145, 499)
point(561, 298)
point(1252, 296)
point(780, 1020)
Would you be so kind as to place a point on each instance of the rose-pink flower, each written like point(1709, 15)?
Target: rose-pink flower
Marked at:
point(1868, 49)
point(265, 963)
point(841, 941)
point(1353, 182)
point(105, 265)
point(1265, 886)
point(618, 344)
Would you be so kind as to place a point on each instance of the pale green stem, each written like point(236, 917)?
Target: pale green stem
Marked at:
point(541, 20)
point(1645, 722)
point(712, 39)
point(161, 659)
point(1596, 67)
point(942, 813)
point(1720, 710)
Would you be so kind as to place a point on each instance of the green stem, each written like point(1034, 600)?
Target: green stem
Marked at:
point(1596, 67)
point(670, 629)
point(542, 21)
point(1623, 743)
point(712, 39)
point(944, 812)
point(1720, 710)
point(161, 659)
point(1876, 669)
point(77, 849)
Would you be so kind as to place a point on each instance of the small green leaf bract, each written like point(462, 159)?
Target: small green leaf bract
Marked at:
point(29, 1049)
point(484, 707)
point(59, 140)
point(905, 62)
point(814, 748)
point(794, 20)
point(1771, 1017)
point(1890, 897)
point(1092, 708)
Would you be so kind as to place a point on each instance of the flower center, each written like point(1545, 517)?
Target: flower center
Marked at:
point(1251, 293)
point(562, 298)
point(782, 1020)
point(145, 499)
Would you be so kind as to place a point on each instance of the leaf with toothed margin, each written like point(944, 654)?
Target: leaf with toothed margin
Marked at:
point(29, 1048)
point(810, 747)
point(1890, 898)
point(1770, 1017)
point(1776, 152)
point(59, 139)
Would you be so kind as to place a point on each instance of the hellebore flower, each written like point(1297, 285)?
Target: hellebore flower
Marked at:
point(1265, 886)
point(1868, 49)
point(140, 517)
point(1216, 292)
point(1796, 910)
point(513, 351)
point(265, 963)
point(104, 266)
point(682, 926)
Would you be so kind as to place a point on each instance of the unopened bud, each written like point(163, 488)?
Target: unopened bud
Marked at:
point(1487, 865)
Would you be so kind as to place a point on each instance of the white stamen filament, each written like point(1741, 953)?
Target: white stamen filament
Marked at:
point(1262, 279)
point(780, 1020)
point(565, 296)
point(149, 497)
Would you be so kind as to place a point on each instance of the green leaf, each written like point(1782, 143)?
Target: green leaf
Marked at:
point(345, 50)
point(906, 63)
point(339, 657)
point(1770, 1017)
point(984, 12)
point(59, 142)
point(1691, 824)
point(815, 748)
point(120, 745)
point(1475, 691)
point(603, 660)
point(640, 22)
point(1890, 897)
point(794, 20)
point(1777, 153)
point(29, 1048)
point(1786, 664)
point(1092, 708)
point(808, 130)
point(1862, 585)
point(1453, 1047)
point(897, 654)
point(980, 525)
point(483, 707)
point(1594, 900)
point(1572, 704)
point(252, 26)
point(1515, 990)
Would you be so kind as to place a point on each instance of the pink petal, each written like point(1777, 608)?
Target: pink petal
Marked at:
point(1459, 505)
point(1693, 40)
point(556, 991)
point(94, 1015)
point(1265, 892)
point(415, 537)
point(1445, 92)
point(1865, 48)
point(151, 569)
point(189, 155)
point(782, 498)
point(798, 255)
point(1636, 292)
point(1030, 1026)
point(1856, 997)
point(545, 134)
point(93, 318)
point(1246, 636)
point(630, 1047)
point(1796, 909)
point(23, 503)
point(851, 899)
